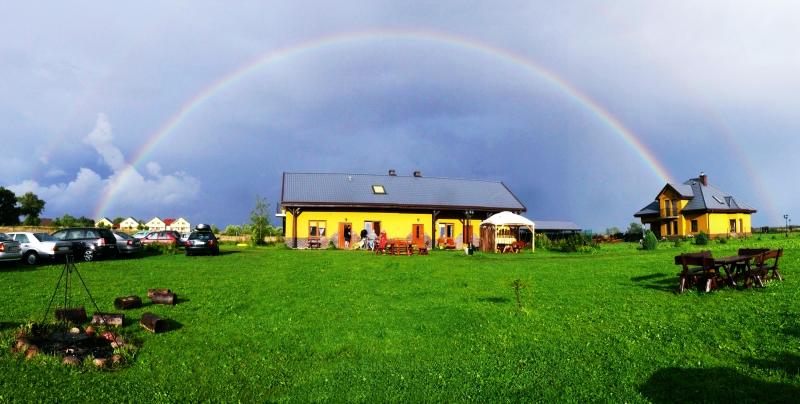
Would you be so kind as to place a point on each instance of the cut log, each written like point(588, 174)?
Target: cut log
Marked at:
point(157, 291)
point(114, 319)
point(128, 302)
point(75, 315)
point(162, 296)
point(153, 323)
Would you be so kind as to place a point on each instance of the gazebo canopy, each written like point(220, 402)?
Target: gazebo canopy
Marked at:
point(506, 218)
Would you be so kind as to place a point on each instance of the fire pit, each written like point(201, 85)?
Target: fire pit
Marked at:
point(66, 338)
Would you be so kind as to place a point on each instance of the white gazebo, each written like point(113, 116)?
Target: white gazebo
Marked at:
point(499, 230)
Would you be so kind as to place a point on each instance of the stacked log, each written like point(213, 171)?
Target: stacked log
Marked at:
point(128, 302)
point(162, 296)
point(114, 319)
point(153, 323)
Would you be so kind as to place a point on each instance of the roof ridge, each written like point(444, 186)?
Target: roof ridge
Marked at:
point(399, 176)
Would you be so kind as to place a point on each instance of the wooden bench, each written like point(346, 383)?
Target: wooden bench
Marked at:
point(314, 242)
point(698, 269)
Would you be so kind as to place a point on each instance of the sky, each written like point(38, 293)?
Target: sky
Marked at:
point(584, 109)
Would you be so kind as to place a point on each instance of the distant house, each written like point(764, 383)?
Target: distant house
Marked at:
point(180, 225)
point(104, 222)
point(129, 224)
point(696, 206)
point(318, 208)
point(156, 224)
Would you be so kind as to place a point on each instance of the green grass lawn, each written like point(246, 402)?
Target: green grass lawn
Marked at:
point(271, 324)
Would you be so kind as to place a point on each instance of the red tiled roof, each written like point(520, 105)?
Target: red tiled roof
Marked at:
point(168, 221)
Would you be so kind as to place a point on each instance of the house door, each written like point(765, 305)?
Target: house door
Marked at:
point(418, 235)
point(467, 237)
point(342, 227)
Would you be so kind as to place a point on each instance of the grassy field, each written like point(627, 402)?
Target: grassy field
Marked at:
point(271, 324)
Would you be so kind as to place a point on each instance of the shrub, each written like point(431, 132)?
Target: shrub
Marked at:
point(723, 240)
point(542, 242)
point(577, 243)
point(701, 239)
point(650, 242)
point(678, 242)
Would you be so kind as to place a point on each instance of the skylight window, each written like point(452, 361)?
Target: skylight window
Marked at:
point(718, 200)
point(378, 190)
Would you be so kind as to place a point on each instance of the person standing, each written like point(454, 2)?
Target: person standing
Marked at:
point(348, 233)
point(364, 239)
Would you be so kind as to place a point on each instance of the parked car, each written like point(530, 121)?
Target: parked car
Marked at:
point(167, 237)
point(202, 241)
point(141, 234)
point(126, 244)
point(184, 237)
point(36, 247)
point(89, 243)
point(9, 249)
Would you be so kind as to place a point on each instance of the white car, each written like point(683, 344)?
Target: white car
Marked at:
point(140, 234)
point(40, 246)
point(9, 249)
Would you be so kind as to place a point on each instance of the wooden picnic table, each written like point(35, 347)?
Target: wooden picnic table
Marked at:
point(400, 247)
point(734, 266)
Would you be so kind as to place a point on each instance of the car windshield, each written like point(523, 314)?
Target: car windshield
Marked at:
point(205, 236)
point(4, 237)
point(44, 237)
point(124, 235)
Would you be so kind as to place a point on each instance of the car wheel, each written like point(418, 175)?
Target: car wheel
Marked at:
point(31, 258)
point(88, 255)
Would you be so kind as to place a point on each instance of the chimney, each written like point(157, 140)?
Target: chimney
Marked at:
point(392, 172)
point(418, 174)
point(703, 178)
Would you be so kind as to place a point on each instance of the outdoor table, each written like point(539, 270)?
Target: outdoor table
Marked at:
point(733, 264)
point(504, 243)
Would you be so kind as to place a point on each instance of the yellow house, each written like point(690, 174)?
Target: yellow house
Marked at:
point(104, 222)
point(695, 206)
point(424, 211)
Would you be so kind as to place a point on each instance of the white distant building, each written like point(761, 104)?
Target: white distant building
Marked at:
point(180, 225)
point(156, 224)
point(129, 224)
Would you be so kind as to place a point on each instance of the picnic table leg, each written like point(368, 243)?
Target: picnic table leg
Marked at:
point(682, 284)
point(776, 274)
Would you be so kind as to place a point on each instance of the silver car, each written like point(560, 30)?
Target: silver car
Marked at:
point(9, 249)
point(126, 244)
point(36, 247)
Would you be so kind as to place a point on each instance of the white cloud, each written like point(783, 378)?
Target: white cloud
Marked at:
point(132, 192)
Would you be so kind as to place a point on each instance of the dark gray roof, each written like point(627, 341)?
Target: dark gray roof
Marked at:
point(709, 197)
point(555, 225)
point(703, 198)
point(323, 189)
point(650, 209)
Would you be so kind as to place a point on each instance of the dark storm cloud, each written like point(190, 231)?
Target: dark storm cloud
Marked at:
point(705, 86)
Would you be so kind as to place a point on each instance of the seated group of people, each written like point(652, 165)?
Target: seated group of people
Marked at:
point(369, 240)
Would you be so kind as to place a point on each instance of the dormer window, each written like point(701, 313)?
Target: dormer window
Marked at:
point(378, 190)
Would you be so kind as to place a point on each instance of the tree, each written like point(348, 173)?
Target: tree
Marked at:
point(31, 206)
point(259, 219)
point(9, 211)
point(84, 221)
point(214, 229)
point(118, 220)
point(65, 221)
point(635, 232)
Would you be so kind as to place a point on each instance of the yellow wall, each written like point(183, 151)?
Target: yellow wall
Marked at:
point(396, 225)
point(720, 223)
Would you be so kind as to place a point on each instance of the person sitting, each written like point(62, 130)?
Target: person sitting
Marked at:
point(382, 241)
